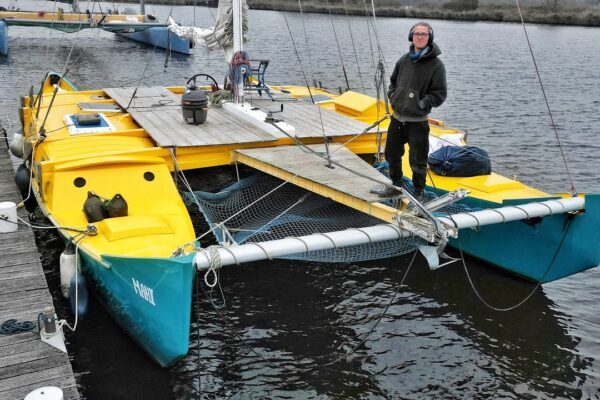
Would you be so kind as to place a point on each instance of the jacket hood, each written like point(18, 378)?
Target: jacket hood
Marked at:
point(434, 52)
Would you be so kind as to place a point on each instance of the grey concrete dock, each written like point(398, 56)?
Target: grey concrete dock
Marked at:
point(26, 363)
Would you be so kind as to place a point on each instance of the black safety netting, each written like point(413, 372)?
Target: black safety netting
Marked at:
point(261, 208)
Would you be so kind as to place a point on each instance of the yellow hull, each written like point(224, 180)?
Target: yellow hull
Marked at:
point(158, 223)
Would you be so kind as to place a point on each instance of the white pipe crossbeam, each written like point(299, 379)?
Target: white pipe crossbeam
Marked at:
point(501, 215)
point(378, 233)
point(302, 244)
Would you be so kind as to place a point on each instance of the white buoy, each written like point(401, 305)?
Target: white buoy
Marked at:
point(16, 145)
point(8, 217)
point(68, 266)
point(46, 393)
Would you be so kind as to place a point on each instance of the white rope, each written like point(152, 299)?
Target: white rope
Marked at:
point(214, 263)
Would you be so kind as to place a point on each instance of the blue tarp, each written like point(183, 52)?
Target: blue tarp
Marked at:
point(460, 161)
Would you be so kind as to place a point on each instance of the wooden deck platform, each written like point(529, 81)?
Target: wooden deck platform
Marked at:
point(26, 363)
point(158, 111)
point(310, 171)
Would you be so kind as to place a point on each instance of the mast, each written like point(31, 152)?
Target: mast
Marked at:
point(237, 44)
point(142, 7)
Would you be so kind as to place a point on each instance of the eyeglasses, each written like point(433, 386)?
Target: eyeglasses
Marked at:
point(419, 34)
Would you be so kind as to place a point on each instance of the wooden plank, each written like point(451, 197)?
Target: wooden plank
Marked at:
point(18, 257)
point(4, 297)
point(40, 377)
point(145, 97)
point(307, 117)
point(294, 160)
point(9, 340)
point(166, 126)
point(161, 137)
point(26, 363)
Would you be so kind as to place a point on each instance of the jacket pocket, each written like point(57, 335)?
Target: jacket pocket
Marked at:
point(411, 104)
point(396, 98)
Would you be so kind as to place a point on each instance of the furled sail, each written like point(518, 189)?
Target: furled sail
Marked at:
point(221, 35)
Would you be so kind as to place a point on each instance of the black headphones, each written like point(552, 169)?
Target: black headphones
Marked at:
point(410, 34)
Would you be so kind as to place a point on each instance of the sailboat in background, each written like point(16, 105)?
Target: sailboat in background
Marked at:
point(101, 166)
point(141, 27)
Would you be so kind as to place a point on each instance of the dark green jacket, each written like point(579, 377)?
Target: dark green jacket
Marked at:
point(423, 79)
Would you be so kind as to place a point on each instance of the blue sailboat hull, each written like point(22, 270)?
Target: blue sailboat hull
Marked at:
point(544, 249)
point(3, 38)
point(150, 298)
point(161, 37)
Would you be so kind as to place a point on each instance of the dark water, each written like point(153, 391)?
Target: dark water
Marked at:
point(286, 325)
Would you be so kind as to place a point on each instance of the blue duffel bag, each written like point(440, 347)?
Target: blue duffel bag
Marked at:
point(460, 161)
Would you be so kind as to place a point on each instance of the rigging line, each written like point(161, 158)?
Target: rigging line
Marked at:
point(573, 190)
point(73, 47)
point(570, 218)
point(338, 45)
point(297, 54)
point(57, 48)
point(51, 25)
point(198, 359)
point(312, 71)
point(260, 230)
point(328, 158)
point(374, 24)
point(275, 188)
point(354, 48)
point(150, 54)
point(426, 214)
point(369, 34)
point(513, 169)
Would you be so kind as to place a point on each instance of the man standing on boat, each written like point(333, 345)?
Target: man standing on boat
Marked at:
point(417, 84)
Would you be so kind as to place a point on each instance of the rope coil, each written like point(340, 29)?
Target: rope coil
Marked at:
point(214, 263)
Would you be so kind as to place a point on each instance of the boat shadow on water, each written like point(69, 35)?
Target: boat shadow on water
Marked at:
point(284, 321)
point(303, 328)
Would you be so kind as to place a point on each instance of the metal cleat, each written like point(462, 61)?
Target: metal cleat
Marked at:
point(448, 198)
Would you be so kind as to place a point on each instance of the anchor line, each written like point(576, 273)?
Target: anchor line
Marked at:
point(42, 227)
point(539, 282)
point(341, 357)
point(573, 190)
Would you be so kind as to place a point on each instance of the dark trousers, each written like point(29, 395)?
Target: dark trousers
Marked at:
point(416, 134)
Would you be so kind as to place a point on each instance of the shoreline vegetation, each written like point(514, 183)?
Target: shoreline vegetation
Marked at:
point(555, 12)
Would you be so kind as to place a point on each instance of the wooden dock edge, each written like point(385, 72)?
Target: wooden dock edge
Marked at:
point(26, 363)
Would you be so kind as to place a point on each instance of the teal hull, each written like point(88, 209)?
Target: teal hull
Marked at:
point(540, 250)
point(150, 298)
point(3, 38)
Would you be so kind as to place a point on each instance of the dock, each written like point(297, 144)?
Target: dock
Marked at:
point(26, 363)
